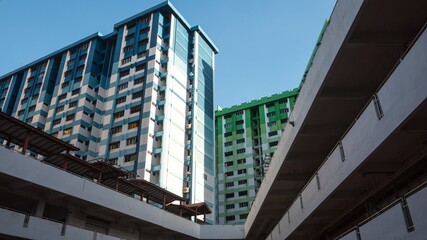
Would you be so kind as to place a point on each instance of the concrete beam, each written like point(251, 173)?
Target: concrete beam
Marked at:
point(294, 177)
point(343, 94)
point(321, 130)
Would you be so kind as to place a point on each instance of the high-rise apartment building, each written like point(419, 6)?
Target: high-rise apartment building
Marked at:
point(140, 97)
point(246, 138)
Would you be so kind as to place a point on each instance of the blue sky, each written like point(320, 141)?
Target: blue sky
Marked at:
point(264, 45)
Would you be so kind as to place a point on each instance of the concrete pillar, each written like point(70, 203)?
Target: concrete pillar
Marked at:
point(75, 217)
point(40, 208)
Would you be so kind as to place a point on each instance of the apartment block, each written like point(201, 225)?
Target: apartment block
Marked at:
point(140, 97)
point(246, 138)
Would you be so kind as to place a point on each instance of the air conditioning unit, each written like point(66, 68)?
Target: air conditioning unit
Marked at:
point(191, 60)
point(186, 190)
point(188, 126)
point(188, 173)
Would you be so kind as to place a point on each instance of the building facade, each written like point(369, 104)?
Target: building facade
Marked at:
point(140, 97)
point(246, 138)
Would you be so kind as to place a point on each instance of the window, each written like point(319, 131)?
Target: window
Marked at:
point(25, 100)
point(227, 164)
point(65, 84)
point(133, 125)
point(68, 131)
point(114, 145)
point(143, 43)
point(242, 150)
point(70, 117)
point(140, 67)
point(227, 125)
point(241, 171)
point(29, 120)
point(240, 131)
point(129, 36)
point(115, 130)
point(229, 206)
point(70, 62)
point(60, 109)
point(38, 85)
point(113, 161)
point(270, 114)
point(78, 79)
point(272, 144)
point(122, 86)
point(138, 81)
point(75, 92)
point(229, 174)
point(131, 141)
point(229, 195)
point(55, 134)
point(130, 157)
point(67, 73)
point(270, 124)
point(228, 134)
point(21, 112)
point(228, 143)
point(135, 109)
point(273, 133)
point(121, 100)
point(205, 177)
point(230, 218)
point(239, 112)
point(242, 140)
point(126, 60)
point(62, 96)
point(241, 182)
point(243, 216)
point(141, 54)
point(80, 68)
point(72, 104)
point(284, 120)
point(269, 105)
point(56, 122)
point(128, 49)
point(132, 25)
point(145, 19)
point(228, 153)
point(119, 114)
point(124, 73)
point(227, 116)
point(285, 110)
point(32, 108)
point(240, 122)
point(283, 101)
point(243, 204)
point(86, 45)
point(243, 193)
point(229, 184)
point(241, 161)
point(137, 95)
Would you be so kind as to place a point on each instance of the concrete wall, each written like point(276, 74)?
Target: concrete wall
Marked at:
point(20, 225)
point(390, 223)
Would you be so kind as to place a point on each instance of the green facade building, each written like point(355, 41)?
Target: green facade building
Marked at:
point(246, 138)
